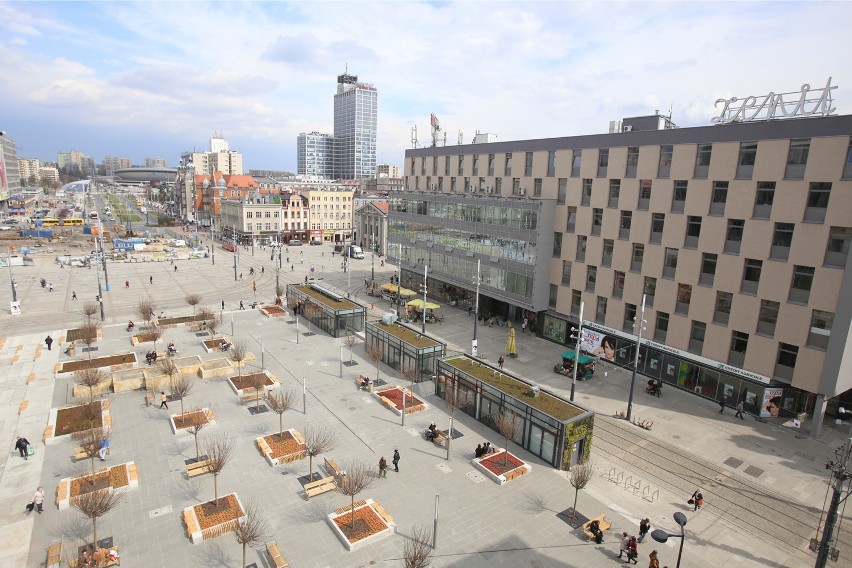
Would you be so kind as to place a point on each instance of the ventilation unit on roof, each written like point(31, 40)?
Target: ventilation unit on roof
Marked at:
point(627, 128)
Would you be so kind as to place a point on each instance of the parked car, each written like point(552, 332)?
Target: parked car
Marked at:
point(315, 242)
point(295, 243)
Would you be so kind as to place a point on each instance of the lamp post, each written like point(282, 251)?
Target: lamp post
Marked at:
point(474, 348)
point(840, 474)
point(640, 325)
point(577, 340)
point(11, 279)
point(425, 277)
point(662, 536)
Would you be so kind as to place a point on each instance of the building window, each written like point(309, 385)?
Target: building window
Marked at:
point(606, 255)
point(597, 221)
point(800, 286)
point(562, 192)
point(446, 165)
point(624, 226)
point(763, 200)
point(516, 186)
point(661, 327)
point(702, 161)
point(603, 161)
point(820, 332)
point(693, 232)
point(551, 163)
point(751, 276)
point(837, 248)
point(644, 195)
point(632, 161)
point(249, 214)
point(554, 295)
point(664, 168)
point(581, 248)
point(498, 185)
point(737, 352)
point(586, 197)
point(507, 168)
point(636, 257)
point(684, 296)
point(847, 167)
point(537, 187)
point(786, 363)
point(696, 336)
point(566, 272)
point(768, 317)
point(435, 165)
point(708, 269)
point(629, 317)
point(461, 166)
point(734, 236)
point(782, 239)
point(600, 313)
point(576, 155)
point(614, 191)
point(423, 166)
point(490, 164)
point(650, 290)
point(528, 165)
point(817, 204)
point(618, 285)
point(453, 184)
point(679, 195)
point(745, 163)
point(557, 244)
point(723, 307)
point(476, 164)
point(670, 263)
point(572, 220)
point(591, 278)
point(248, 227)
point(797, 158)
point(719, 198)
point(658, 222)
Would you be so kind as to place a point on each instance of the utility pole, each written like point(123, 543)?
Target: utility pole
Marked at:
point(577, 339)
point(373, 266)
point(212, 244)
point(640, 325)
point(425, 277)
point(474, 349)
point(11, 279)
point(840, 474)
point(235, 266)
point(346, 267)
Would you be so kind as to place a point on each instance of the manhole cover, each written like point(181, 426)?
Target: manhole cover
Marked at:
point(444, 468)
point(475, 476)
point(754, 471)
point(733, 462)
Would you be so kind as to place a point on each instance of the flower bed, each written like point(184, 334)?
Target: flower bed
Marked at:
point(372, 523)
point(273, 311)
point(245, 384)
point(393, 396)
point(62, 422)
point(145, 337)
point(211, 345)
point(211, 519)
point(121, 477)
point(126, 360)
point(494, 469)
point(180, 422)
point(282, 449)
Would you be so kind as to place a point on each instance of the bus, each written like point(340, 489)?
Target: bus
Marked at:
point(50, 222)
point(71, 222)
point(229, 246)
point(93, 215)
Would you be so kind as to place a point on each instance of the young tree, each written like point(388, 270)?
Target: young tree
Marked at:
point(219, 450)
point(581, 474)
point(89, 378)
point(181, 389)
point(350, 340)
point(197, 421)
point(507, 424)
point(453, 401)
point(193, 300)
point(89, 309)
point(239, 352)
point(280, 402)
point(168, 367)
point(417, 550)
point(96, 504)
point(155, 334)
point(374, 352)
point(90, 441)
point(89, 335)
point(206, 316)
point(358, 478)
point(257, 382)
point(145, 309)
point(318, 440)
point(251, 529)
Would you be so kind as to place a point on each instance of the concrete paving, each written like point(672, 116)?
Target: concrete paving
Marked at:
point(764, 484)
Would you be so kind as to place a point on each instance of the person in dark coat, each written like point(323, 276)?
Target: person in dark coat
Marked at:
point(22, 446)
point(395, 460)
point(48, 341)
point(644, 527)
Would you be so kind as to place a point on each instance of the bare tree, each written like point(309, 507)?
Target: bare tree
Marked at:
point(251, 529)
point(197, 421)
point(239, 353)
point(193, 300)
point(206, 316)
point(374, 352)
point(155, 334)
point(417, 550)
point(168, 367)
point(90, 441)
point(350, 340)
point(145, 309)
point(412, 374)
point(358, 478)
point(318, 440)
point(280, 402)
point(181, 388)
point(279, 290)
point(581, 474)
point(507, 424)
point(89, 335)
point(89, 309)
point(90, 378)
point(214, 323)
point(453, 401)
point(96, 504)
point(219, 449)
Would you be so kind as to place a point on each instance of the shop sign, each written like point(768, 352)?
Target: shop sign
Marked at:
point(772, 106)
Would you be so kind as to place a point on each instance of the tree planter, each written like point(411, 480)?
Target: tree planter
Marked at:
point(116, 362)
point(243, 384)
point(63, 422)
point(492, 466)
point(180, 422)
point(121, 477)
point(144, 337)
point(391, 398)
point(216, 368)
point(127, 380)
point(372, 523)
point(208, 520)
point(273, 311)
point(213, 345)
point(279, 451)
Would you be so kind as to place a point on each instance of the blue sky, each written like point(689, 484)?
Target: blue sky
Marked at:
point(153, 79)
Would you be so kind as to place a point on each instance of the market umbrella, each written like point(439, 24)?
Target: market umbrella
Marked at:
point(418, 303)
point(510, 343)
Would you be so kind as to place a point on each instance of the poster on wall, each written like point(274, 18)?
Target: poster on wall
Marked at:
point(598, 344)
point(771, 403)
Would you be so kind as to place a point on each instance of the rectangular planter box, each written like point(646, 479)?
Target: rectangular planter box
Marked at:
point(390, 526)
point(266, 450)
point(131, 379)
point(211, 419)
point(392, 407)
point(63, 491)
point(504, 478)
point(197, 534)
point(250, 390)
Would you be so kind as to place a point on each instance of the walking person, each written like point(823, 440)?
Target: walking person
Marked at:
point(73, 295)
point(500, 362)
point(150, 280)
point(740, 408)
point(23, 446)
point(697, 500)
point(164, 400)
point(126, 284)
point(383, 467)
point(38, 499)
point(524, 326)
point(632, 551)
point(48, 341)
point(624, 547)
point(223, 304)
point(241, 305)
point(722, 404)
point(644, 527)
point(395, 460)
point(654, 562)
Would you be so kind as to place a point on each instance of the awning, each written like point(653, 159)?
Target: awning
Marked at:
point(584, 359)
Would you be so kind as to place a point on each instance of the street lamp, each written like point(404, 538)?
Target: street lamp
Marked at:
point(425, 277)
point(662, 536)
point(640, 326)
point(577, 338)
point(474, 346)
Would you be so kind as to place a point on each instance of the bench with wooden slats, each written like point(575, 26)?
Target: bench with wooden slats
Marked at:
point(198, 468)
point(275, 555)
point(54, 554)
point(254, 396)
point(335, 469)
point(320, 486)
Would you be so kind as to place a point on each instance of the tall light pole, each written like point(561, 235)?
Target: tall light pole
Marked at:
point(372, 266)
point(11, 280)
point(840, 474)
point(577, 339)
point(474, 348)
point(212, 244)
point(662, 536)
point(640, 325)
point(425, 278)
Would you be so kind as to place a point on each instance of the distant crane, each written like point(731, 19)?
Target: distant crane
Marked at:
point(436, 129)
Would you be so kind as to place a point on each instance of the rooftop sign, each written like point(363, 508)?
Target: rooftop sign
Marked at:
point(797, 104)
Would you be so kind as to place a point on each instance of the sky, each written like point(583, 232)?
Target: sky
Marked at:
point(154, 79)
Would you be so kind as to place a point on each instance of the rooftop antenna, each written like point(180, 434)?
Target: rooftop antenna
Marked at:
point(461, 138)
point(414, 142)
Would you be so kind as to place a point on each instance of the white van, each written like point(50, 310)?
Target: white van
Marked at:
point(355, 252)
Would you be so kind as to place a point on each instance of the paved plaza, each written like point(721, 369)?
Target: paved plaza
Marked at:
point(764, 484)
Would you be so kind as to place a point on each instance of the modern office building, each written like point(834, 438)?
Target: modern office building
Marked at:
point(736, 235)
point(10, 179)
point(355, 124)
point(315, 155)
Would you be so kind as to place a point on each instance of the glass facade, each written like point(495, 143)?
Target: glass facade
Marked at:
point(404, 348)
point(325, 309)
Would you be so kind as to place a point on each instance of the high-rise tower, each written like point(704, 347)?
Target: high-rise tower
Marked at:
point(355, 112)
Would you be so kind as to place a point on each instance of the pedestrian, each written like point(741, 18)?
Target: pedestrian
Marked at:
point(722, 403)
point(241, 275)
point(150, 280)
point(48, 341)
point(175, 267)
point(395, 460)
point(654, 563)
point(383, 262)
point(262, 269)
point(500, 362)
point(288, 260)
point(740, 408)
point(241, 305)
point(38, 499)
point(23, 446)
point(126, 284)
point(306, 278)
point(383, 467)
point(644, 527)
point(624, 547)
point(73, 295)
point(633, 551)
point(697, 500)
point(524, 325)
point(164, 400)
point(50, 286)
point(292, 266)
point(104, 449)
point(223, 304)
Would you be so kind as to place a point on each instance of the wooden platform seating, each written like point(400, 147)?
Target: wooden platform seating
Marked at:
point(54, 554)
point(275, 555)
point(197, 468)
point(320, 486)
point(604, 524)
point(332, 466)
point(253, 396)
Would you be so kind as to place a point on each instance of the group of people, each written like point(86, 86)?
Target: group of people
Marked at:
point(151, 357)
point(432, 431)
point(97, 557)
point(484, 449)
point(47, 285)
point(365, 383)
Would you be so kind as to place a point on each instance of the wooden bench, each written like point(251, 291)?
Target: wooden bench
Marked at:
point(197, 468)
point(604, 524)
point(54, 554)
point(76, 562)
point(359, 382)
point(160, 357)
point(275, 555)
point(382, 513)
point(320, 486)
point(439, 438)
point(335, 469)
point(259, 394)
point(387, 402)
point(80, 454)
